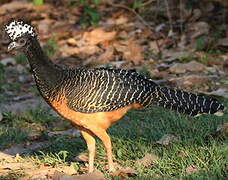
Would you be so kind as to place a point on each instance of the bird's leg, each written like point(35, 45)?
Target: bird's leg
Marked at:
point(101, 133)
point(90, 141)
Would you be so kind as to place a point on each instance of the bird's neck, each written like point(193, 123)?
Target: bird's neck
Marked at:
point(47, 75)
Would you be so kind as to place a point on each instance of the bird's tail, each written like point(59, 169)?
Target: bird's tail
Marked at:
point(185, 102)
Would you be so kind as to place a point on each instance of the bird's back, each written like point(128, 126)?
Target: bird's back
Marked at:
point(103, 89)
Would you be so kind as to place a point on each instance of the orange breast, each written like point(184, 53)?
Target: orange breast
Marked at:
point(101, 119)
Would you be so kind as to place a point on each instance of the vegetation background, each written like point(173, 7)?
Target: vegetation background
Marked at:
point(179, 43)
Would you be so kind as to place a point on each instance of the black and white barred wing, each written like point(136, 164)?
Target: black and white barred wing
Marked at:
point(108, 89)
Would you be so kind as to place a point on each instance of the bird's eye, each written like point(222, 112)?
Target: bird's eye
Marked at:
point(22, 41)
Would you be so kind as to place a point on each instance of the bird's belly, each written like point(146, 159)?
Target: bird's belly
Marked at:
point(101, 119)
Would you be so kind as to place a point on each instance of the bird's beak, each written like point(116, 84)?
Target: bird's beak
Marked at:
point(12, 46)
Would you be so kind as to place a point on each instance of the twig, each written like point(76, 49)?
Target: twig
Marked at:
point(147, 3)
point(138, 16)
point(169, 15)
point(181, 16)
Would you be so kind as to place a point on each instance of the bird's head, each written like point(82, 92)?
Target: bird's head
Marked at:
point(19, 34)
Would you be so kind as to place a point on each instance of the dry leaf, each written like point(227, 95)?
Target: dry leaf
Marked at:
point(96, 175)
point(192, 168)
point(222, 92)
point(34, 135)
point(23, 148)
point(166, 139)
point(155, 73)
point(72, 41)
point(70, 170)
point(223, 128)
point(8, 61)
point(106, 56)
point(97, 36)
point(14, 6)
point(67, 50)
point(131, 50)
point(125, 172)
point(147, 160)
point(223, 42)
point(196, 15)
point(177, 68)
point(120, 20)
point(198, 29)
point(70, 132)
point(44, 26)
point(190, 80)
point(17, 165)
point(42, 173)
point(154, 46)
point(7, 157)
point(82, 158)
point(192, 66)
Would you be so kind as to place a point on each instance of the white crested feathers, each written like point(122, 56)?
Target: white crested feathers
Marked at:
point(16, 29)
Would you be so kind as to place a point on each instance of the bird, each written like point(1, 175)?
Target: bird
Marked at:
point(93, 99)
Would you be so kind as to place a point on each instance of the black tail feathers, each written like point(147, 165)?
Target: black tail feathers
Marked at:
point(187, 103)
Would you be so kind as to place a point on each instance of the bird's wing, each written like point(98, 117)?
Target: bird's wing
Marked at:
point(100, 90)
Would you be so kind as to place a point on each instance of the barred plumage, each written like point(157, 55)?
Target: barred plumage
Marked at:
point(103, 89)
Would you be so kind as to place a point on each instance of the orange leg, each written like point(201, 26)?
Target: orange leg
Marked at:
point(101, 133)
point(90, 141)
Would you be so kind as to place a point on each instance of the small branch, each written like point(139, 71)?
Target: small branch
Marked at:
point(181, 16)
point(169, 15)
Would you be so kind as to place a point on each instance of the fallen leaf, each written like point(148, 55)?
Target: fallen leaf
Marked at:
point(117, 20)
point(107, 56)
point(17, 165)
point(135, 53)
point(154, 46)
point(6, 157)
point(221, 92)
point(177, 68)
point(82, 158)
point(131, 50)
point(14, 6)
point(223, 128)
point(198, 29)
point(155, 73)
point(125, 172)
point(192, 66)
point(8, 61)
point(34, 135)
point(223, 62)
point(44, 26)
point(34, 173)
point(96, 175)
point(98, 35)
point(147, 160)
point(167, 139)
point(23, 148)
point(70, 170)
point(70, 132)
point(23, 106)
point(192, 168)
point(190, 80)
point(196, 15)
point(67, 50)
point(223, 42)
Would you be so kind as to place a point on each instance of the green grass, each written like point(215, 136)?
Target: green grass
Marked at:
point(132, 137)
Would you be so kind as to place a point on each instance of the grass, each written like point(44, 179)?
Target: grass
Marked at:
point(132, 137)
